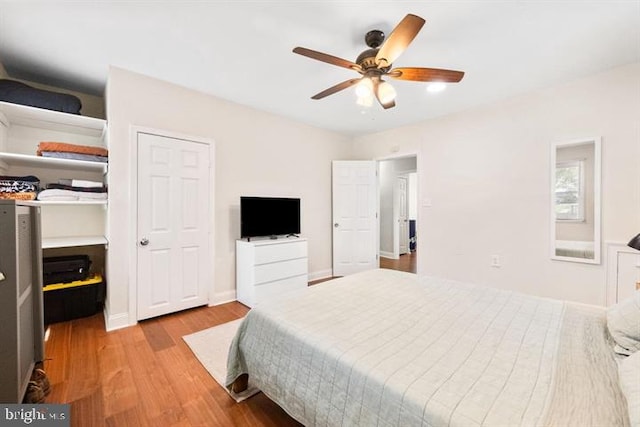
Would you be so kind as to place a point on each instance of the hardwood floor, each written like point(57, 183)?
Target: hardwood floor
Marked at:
point(407, 262)
point(146, 375)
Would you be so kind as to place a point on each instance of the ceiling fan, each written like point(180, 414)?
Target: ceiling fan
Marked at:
point(376, 62)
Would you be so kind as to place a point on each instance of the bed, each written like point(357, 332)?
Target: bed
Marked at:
point(387, 348)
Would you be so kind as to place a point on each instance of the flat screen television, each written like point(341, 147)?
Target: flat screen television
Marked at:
point(269, 216)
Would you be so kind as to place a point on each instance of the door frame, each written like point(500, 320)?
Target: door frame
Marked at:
point(396, 214)
point(133, 211)
point(421, 204)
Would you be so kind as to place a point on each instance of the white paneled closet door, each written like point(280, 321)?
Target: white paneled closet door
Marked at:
point(173, 254)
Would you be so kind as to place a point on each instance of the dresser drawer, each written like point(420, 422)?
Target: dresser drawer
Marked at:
point(280, 288)
point(277, 252)
point(281, 270)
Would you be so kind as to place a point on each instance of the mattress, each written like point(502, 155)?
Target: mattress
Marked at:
point(388, 348)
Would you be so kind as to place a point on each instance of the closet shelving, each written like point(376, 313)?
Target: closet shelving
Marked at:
point(68, 242)
point(29, 160)
point(65, 223)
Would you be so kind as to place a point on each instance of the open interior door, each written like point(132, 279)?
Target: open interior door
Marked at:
point(355, 222)
point(403, 214)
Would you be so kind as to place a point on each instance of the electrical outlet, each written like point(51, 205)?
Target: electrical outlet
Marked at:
point(495, 261)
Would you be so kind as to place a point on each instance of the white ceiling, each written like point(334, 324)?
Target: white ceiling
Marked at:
point(241, 50)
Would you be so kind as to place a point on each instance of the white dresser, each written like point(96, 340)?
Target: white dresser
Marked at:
point(270, 268)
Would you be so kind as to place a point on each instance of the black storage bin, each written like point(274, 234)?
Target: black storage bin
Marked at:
point(64, 269)
point(73, 302)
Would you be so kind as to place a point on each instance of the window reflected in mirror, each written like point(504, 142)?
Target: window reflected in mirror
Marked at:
point(570, 191)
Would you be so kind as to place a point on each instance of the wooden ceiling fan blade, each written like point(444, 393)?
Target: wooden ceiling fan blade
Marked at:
point(329, 59)
point(398, 40)
point(336, 88)
point(418, 74)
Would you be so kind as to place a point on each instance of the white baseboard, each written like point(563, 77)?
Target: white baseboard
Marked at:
point(385, 254)
point(116, 321)
point(322, 274)
point(222, 298)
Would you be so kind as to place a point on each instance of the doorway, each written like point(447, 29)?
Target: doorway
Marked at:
point(398, 213)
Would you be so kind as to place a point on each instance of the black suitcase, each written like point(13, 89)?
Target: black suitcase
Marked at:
point(64, 269)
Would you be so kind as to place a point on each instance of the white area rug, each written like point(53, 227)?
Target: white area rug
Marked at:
point(211, 347)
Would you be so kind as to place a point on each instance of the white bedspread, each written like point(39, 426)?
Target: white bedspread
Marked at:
point(384, 348)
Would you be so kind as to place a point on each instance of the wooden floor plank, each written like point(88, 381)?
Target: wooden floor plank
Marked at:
point(87, 411)
point(203, 411)
point(157, 337)
point(131, 417)
point(406, 262)
point(116, 379)
point(158, 398)
point(85, 341)
point(57, 345)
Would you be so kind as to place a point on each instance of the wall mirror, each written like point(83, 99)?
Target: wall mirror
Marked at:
point(575, 201)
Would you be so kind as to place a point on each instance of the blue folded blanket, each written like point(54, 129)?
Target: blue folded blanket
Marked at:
point(20, 93)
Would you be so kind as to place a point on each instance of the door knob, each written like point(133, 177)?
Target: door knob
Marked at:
point(336, 225)
point(144, 241)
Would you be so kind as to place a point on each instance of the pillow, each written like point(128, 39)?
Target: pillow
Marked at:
point(623, 322)
point(629, 374)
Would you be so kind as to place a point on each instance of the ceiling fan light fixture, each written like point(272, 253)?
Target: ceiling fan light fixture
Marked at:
point(386, 93)
point(364, 89)
point(436, 87)
point(365, 101)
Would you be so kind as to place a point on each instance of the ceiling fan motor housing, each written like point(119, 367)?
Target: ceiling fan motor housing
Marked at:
point(374, 38)
point(367, 59)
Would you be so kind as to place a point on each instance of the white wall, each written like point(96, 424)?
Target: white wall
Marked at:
point(256, 153)
point(413, 195)
point(486, 172)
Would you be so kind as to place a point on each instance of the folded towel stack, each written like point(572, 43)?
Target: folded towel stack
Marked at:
point(19, 187)
point(63, 150)
point(71, 190)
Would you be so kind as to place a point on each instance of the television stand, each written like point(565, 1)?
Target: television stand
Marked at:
point(270, 268)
